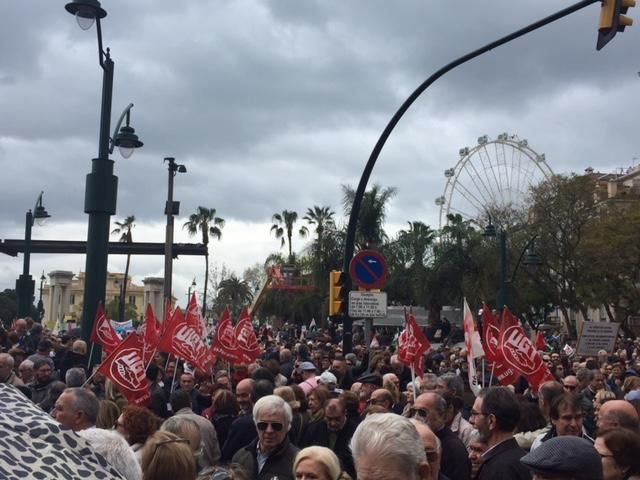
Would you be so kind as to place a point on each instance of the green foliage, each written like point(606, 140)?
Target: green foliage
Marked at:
point(130, 311)
point(8, 306)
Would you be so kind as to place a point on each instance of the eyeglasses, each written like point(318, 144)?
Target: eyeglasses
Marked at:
point(570, 387)
point(275, 426)
point(373, 401)
point(165, 442)
point(432, 455)
point(422, 412)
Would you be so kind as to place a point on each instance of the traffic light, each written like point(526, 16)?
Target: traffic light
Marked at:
point(613, 20)
point(337, 291)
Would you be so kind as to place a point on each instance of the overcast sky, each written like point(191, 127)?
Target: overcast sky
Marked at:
point(272, 105)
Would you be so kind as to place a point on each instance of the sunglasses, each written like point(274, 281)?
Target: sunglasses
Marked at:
point(570, 387)
point(275, 426)
point(422, 412)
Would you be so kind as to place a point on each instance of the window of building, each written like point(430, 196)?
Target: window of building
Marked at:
point(72, 301)
point(132, 300)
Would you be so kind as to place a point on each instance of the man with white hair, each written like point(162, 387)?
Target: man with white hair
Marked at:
point(115, 449)
point(77, 409)
point(270, 455)
point(386, 446)
point(7, 375)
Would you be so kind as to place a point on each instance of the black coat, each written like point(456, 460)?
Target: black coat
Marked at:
point(241, 433)
point(455, 462)
point(317, 433)
point(278, 465)
point(503, 461)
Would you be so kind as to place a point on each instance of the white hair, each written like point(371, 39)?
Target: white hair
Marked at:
point(390, 438)
point(115, 449)
point(272, 403)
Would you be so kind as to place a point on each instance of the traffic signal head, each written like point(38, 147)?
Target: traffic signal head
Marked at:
point(337, 292)
point(613, 20)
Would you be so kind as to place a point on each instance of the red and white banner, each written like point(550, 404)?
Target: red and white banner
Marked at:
point(194, 316)
point(247, 341)
point(519, 353)
point(224, 343)
point(473, 346)
point(103, 332)
point(505, 374)
point(412, 344)
point(125, 368)
point(182, 340)
point(149, 334)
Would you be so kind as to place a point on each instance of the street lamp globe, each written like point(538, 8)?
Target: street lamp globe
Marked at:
point(127, 141)
point(86, 12)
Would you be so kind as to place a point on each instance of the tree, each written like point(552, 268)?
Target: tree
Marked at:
point(8, 307)
point(234, 292)
point(563, 209)
point(130, 311)
point(124, 230)
point(283, 225)
point(322, 218)
point(205, 222)
point(372, 214)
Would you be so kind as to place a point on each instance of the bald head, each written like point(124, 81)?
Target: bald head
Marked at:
point(617, 413)
point(80, 347)
point(382, 397)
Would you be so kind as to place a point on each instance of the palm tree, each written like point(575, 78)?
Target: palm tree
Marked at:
point(322, 218)
point(235, 292)
point(417, 240)
point(206, 222)
point(283, 224)
point(124, 229)
point(369, 229)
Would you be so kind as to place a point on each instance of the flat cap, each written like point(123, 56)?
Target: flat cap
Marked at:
point(307, 366)
point(371, 378)
point(566, 455)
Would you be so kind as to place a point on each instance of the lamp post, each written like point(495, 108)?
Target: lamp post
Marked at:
point(171, 208)
point(191, 287)
point(40, 303)
point(101, 185)
point(25, 285)
point(532, 260)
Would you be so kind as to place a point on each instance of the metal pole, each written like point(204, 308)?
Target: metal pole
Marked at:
point(168, 243)
point(40, 303)
point(25, 285)
point(503, 292)
point(364, 179)
point(100, 203)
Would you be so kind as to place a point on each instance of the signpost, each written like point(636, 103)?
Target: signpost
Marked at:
point(367, 304)
point(368, 269)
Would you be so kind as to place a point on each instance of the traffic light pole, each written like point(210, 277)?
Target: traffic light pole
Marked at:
point(347, 342)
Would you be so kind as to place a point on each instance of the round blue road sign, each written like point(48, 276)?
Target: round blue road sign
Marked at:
point(368, 269)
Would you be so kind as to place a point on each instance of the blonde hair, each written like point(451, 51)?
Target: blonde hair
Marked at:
point(289, 396)
point(324, 457)
point(166, 456)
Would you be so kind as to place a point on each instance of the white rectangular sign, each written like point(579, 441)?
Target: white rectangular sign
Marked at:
point(597, 336)
point(367, 304)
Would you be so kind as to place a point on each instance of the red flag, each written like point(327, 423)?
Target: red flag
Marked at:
point(519, 353)
point(183, 340)
point(194, 316)
point(540, 343)
point(149, 334)
point(247, 341)
point(166, 320)
point(225, 343)
point(505, 374)
point(412, 344)
point(125, 368)
point(103, 332)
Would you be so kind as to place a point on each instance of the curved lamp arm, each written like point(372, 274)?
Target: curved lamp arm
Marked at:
point(112, 140)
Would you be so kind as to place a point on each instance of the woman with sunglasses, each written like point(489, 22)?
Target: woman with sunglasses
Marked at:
point(318, 463)
point(270, 455)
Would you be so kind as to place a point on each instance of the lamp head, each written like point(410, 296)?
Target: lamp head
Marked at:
point(532, 261)
point(490, 230)
point(86, 12)
point(182, 169)
point(127, 141)
point(40, 213)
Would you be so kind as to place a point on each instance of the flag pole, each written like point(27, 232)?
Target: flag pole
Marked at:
point(491, 376)
point(482, 372)
point(90, 378)
point(90, 355)
point(413, 382)
point(151, 360)
point(175, 370)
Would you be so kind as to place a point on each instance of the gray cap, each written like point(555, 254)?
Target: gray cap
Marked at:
point(566, 455)
point(307, 366)
point(371, 378)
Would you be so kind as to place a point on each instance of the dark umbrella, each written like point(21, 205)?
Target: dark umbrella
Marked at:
point(34, 446)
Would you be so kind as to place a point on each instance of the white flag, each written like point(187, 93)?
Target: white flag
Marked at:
point(473, 347)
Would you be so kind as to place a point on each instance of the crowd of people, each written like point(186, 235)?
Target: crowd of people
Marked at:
point(306, 410)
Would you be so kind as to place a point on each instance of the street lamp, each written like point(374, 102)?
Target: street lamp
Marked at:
point(532, 261)
point(25, 285)
point(40, 303)
point(101, 189)
point(171, 208)
point(191, 287)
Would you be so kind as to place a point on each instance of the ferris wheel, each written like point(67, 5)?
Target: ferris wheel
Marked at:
point(495, 174)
